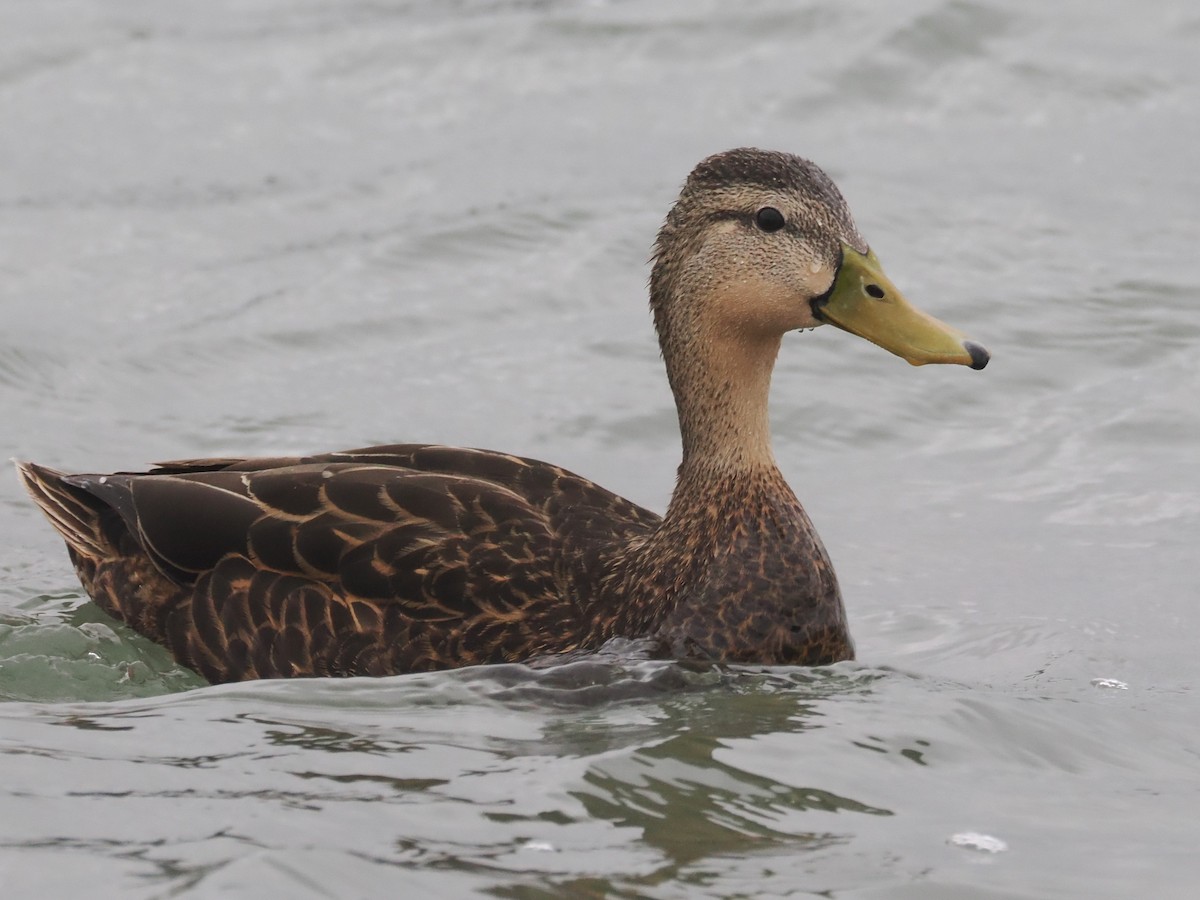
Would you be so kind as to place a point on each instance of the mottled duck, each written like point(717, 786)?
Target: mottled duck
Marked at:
point(413, 557)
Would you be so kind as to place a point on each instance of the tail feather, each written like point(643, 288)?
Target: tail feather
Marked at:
point(75, 513)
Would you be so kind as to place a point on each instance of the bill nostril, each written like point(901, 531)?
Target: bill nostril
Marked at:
point(874, 290)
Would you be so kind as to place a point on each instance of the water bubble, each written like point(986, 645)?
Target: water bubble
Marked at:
point(540, 846)
point(1111, 683)
point(973, 840)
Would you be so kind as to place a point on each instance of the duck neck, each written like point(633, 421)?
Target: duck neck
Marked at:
point(721, 395)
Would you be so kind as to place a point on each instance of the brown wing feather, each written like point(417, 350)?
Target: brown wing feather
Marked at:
point(371, 561)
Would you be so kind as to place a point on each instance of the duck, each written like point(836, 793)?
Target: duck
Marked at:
point(416, 557)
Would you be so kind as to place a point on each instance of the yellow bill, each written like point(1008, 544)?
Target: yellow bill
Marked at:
point(864, 302)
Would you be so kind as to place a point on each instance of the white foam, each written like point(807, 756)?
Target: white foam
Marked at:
point(973, 840)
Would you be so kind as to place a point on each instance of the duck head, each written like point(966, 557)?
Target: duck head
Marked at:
point(761, 243)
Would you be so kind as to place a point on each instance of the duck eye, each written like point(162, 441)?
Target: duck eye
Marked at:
point(769, 219)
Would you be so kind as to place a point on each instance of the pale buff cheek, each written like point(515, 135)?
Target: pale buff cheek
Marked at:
point(742, 286)
point(767, 305)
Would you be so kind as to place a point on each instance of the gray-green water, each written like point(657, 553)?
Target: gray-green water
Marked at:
point(294, 226)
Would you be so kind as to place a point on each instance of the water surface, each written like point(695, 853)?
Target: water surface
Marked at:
point(286, 226)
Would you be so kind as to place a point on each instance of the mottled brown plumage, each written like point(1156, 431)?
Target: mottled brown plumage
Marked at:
point(416, 557)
